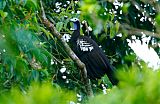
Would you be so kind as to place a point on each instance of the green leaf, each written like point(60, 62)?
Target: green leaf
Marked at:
point(45, 72)
point(106, 81)
point(31, 5)
point(131, 57)
point(112, 30)
point(21, 65)
point(35, 75)
point(117, 26)
point(43, 59)
point(59, 26)
point(158, 19)
point(3, 14)
point(2, 4)
point(125, 7)
point(48, 34)
point(102, 37)
point(112, 17)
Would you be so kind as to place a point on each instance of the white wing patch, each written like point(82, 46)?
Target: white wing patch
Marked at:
point(84, 45)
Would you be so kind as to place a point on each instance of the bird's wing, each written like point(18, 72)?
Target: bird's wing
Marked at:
point(96, 68)
point(96, 62)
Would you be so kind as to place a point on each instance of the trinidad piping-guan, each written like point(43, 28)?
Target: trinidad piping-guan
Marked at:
point(88, 51)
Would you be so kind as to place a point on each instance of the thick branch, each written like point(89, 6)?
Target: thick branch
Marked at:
point(81, 65)
point(138, 32)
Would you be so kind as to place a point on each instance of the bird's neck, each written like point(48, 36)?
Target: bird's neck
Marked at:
point(77, 26)
point(76, 32)
point(75, 35)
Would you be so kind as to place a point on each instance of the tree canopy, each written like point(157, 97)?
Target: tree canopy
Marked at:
point(36, 60)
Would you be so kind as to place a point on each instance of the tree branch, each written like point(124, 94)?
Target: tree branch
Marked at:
point(86, 26)
point(138, 32)
point(81, 65)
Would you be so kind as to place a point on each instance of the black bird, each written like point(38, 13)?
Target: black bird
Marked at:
point(88, 51)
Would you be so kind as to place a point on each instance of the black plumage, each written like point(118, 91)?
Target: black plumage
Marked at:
point(88, 51)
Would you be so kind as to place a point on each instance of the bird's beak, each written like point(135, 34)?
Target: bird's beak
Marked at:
point(72, 20)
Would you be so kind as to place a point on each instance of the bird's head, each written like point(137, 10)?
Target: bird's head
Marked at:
point(76, 23)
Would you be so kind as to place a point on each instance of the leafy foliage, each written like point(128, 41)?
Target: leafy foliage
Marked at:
point(46, 95)
point(140, 87)
point(29, 52)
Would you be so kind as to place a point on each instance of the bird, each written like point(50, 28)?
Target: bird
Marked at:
point(88, 51)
